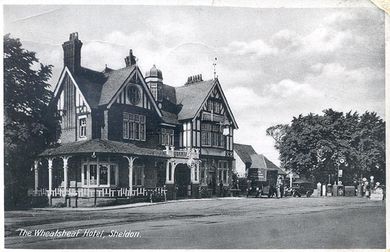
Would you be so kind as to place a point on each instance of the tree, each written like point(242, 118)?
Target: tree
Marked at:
point(30, 123)
point(313, 146)
point(277, 132)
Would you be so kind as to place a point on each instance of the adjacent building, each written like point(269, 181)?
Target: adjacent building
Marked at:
point(125, 134)
point(246, 157)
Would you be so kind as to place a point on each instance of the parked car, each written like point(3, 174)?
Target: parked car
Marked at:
point(302, 187)
point(258, 187)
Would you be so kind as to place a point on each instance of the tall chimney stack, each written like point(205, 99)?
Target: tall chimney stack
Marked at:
point(72, 52)
point(130, 60)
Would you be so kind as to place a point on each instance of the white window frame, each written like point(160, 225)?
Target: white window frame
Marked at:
point(84, 118)
point(85, 181)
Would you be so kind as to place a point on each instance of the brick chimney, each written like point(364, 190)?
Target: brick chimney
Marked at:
point(72, 52)
point(194, 79)
point(130, 60)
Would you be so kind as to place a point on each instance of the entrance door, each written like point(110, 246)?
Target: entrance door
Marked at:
point(213, 182)
point(182, 180)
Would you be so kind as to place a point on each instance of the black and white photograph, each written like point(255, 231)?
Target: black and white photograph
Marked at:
point(195, 125)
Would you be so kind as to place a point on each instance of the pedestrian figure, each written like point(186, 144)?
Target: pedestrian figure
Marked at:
point(278, 187)
point(248, 187)
point(221, 188)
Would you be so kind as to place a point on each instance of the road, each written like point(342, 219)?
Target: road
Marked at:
point(227, 223)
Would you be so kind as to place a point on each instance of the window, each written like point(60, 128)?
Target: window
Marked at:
point(138, 176)
point(153, 90)
point(99, 172)
point(83, 127)
point(167, 137)
point(217, 107)
point(133, 95)
point(196, 174)
point(214, 106)
point(134, 127)
point(126, 128)
point(113, 173)
point(210, 105)
point(206, 134)
point(223, 171)
point(203, 175)
point(212, 135)
point(92, 174)
point(103, 172)
point(85, 169)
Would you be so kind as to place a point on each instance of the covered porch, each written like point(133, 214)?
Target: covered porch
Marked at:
point(103, 169)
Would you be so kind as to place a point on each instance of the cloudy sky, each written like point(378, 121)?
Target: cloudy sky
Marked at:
point(273, 63)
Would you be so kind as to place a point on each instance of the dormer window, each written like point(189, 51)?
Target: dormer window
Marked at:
point(134, 95)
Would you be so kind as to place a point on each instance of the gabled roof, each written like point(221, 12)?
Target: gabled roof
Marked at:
point(169, 93)
point(191, 97)
point(169, 117)
point(248, 155)
point(90, 83)
point(259, 161)
point(115, 80)
point(244, 152)
point(102, 146)
point(179, 103)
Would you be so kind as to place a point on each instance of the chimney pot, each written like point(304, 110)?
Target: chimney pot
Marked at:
point(72, 52)
point(131, 59)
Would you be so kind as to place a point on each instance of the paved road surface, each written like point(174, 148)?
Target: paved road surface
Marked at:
point(294, 223)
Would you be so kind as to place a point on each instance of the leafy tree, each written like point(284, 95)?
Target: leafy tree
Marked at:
point(277, 132)
point(30, 123)
point(313, 146)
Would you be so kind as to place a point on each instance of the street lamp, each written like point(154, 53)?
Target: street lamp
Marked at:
point(291, 177)
point(340, 161)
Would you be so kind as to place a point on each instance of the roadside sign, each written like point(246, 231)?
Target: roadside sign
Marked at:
point(340, 173)
point(258, 174)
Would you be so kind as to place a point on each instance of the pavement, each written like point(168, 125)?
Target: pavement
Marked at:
point(218, 223)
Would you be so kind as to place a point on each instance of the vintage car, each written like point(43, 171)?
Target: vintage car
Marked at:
point(261, 182)
point(302, 187)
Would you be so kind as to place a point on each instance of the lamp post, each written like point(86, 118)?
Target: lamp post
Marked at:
point(340, 161)
point(291, 177)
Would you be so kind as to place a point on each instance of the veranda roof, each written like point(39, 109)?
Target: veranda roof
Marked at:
point(102, 146)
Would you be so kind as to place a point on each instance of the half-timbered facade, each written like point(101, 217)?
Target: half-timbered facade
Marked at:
point(129, 135)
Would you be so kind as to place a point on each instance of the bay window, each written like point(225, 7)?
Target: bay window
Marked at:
point(212, 135)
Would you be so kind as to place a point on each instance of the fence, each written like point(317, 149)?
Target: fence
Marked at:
point(100, 192)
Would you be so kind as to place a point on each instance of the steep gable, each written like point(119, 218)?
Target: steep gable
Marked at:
point(114, 88)
point(191, 97)
point(244, 152)
point(68, 81)
point(115, 80)
point(260, 161)
point(90, 83)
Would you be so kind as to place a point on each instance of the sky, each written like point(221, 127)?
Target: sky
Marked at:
point(273, 63)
